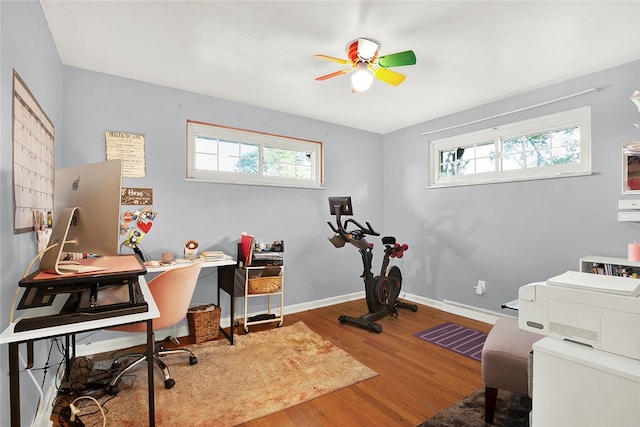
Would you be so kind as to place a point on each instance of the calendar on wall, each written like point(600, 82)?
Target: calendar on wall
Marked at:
point(33, 158)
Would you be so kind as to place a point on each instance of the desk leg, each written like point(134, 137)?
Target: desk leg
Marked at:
point(226, 277)
point(14, 384)
point(150, 344)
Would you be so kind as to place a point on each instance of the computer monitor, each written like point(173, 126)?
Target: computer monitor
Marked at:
point(86, 213)
point(342, 204)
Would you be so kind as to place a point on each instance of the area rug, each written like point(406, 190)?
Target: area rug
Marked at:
point(512, 410)
point(460, 339)
point(262, 373)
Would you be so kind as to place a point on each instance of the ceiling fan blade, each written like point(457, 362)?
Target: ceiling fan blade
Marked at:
point(389, 76)
point(397, 59)
point(367, 49)
point(331, 75)
point(332, 58)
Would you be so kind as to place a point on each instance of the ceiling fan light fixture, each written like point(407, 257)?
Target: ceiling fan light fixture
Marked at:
point(362, 79)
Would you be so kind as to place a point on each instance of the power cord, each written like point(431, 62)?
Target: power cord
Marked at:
point(70, 413)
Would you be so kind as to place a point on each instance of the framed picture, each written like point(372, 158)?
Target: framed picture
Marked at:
point(631, 168)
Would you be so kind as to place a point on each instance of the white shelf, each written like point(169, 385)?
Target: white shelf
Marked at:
point(242, 277)
point(629, 216)
point(586, 263)
point(628, 204)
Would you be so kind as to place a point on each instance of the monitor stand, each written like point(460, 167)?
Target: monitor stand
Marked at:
point(51, 257)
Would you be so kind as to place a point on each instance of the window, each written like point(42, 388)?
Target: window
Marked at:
point(223, 154)
point(551, 146)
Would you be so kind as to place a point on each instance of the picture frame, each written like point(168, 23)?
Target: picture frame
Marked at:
point(631, 168)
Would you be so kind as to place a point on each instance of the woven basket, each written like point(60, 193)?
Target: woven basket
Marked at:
point(204, 322)
point(265, 285)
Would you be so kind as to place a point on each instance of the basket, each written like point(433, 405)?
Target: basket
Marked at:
point(264, 285)
point(204, 322)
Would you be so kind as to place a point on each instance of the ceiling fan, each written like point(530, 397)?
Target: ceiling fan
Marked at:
point(364, 60)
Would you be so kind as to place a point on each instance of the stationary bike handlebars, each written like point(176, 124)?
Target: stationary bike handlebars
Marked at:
point(356, 236)
point(341, 229)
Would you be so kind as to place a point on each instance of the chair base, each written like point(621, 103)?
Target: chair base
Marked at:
point(159, 351)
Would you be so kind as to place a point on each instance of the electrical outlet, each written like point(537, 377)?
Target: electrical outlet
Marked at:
point(481, 287)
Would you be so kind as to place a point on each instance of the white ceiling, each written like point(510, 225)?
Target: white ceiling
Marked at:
point(261, 52)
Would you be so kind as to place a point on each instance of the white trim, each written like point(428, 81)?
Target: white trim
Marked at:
point(132, 340)
point(43, 417)
point(580, 117)
point(262, 140)
point(476, 313)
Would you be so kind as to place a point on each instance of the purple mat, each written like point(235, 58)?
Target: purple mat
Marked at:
point(451, 336)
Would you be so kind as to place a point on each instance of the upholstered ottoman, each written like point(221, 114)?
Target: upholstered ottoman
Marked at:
point(505, 360)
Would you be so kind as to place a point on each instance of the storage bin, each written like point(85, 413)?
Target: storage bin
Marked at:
point(204, 322)
point(264, 285)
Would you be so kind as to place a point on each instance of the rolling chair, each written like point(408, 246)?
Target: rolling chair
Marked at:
point(172, 291)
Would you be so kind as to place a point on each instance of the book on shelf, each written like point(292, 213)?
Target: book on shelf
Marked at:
point(614, 270)
point(268, 255)
point(246, 246)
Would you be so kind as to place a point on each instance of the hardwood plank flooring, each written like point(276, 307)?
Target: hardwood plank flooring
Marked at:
point(416, 379)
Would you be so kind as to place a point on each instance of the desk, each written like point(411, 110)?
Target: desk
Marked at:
point(14, 339)
point(226, 270)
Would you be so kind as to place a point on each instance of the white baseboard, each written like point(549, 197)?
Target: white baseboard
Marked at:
point(43, 417)
point(469, 311)
point(476, 313)
point(132, 340)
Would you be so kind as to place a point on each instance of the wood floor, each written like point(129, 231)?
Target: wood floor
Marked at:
point(416, 379)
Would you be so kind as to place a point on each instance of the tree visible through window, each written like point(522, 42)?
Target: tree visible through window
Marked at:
point(545, 147)
point(223, 154)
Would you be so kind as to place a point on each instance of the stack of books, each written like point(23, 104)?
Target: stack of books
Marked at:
point(268, 258)
point(214, 256)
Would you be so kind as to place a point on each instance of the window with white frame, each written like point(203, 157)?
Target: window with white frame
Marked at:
point(223, 154)
point(550, 146)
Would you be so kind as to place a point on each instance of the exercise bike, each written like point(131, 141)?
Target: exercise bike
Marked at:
point(381, 291)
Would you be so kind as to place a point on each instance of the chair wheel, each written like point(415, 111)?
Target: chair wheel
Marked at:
point(193, 360)
point(169, 383)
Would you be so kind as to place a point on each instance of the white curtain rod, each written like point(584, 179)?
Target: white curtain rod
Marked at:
point(562, 98)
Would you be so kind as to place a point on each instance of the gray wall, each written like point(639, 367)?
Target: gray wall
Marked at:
point(507, 234)
point(216, 214)
point(511, 234)
point(27, 47)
